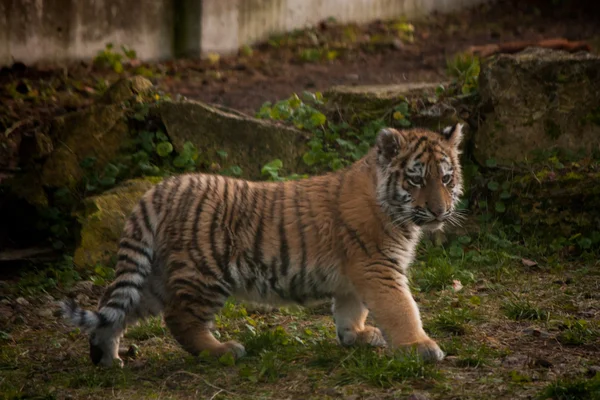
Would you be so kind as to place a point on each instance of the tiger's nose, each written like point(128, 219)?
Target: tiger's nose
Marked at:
point(438, 213)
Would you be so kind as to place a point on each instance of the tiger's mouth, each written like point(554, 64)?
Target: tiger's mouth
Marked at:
point(431, 226)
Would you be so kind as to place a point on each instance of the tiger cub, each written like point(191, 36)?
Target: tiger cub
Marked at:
point(194, 240)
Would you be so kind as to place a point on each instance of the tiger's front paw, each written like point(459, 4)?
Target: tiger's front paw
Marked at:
point(429, 351)
point(370, 335)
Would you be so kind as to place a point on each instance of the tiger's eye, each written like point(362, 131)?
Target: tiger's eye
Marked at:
point(446, 179)
point(415, 180)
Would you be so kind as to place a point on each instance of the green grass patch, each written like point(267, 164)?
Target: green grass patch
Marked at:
point(438, 274)
point(151, 328)
point(572, 389)
point(524, 310)
point(364, 365)
point(453, 321)
point(578, 332)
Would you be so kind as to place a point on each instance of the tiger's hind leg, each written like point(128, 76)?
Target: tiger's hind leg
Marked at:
point(190, 313)
point(105, 341)
point(350, 314)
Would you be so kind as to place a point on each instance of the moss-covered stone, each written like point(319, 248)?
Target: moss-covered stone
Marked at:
point(536, 100)
point(125, 89)
point(98, 132)
point(103, 220)
point(249, 143)
point(368, 102)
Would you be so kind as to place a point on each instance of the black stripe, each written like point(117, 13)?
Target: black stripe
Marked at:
point(128, 284)
point(195, 252)
point(284, 254)
point(115, 305)
point(136, 249)
point(355, 236)
point(203, 318)
point(244, 218)
point(146, 217)
point(418, 143)
point(227, 245)
point(125, 259)
point(199, 299)
point(257, 247)
point(104, 322)
point(301, 226)
point(240, 198)
point(214, 251)
point(200, 287)
point(136, 233)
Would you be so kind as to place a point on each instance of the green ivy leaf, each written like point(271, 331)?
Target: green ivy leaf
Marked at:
point(309, 159)
point(493, 186)
point(107, 181)
point(585, 243)
point(163, 149)
point(227, 359)
point(500, 207)
point(318, 119)
point(273, 166)
point(505, 195)
point(491, 163)
point(235, 170)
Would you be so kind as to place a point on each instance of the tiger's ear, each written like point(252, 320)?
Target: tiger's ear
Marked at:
point(388, 144)
point(453, 134)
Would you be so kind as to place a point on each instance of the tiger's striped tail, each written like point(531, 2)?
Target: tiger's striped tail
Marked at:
point(124, 294)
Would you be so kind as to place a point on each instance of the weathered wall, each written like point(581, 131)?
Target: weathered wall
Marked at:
point(229, 24)
point(56, 30)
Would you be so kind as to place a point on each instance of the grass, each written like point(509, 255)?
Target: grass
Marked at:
point(572, 389)
point(364, 365)
point(524, 310)
point(579, 332)
point(453, 321)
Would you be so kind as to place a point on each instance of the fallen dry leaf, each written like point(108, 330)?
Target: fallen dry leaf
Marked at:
point(529, 263)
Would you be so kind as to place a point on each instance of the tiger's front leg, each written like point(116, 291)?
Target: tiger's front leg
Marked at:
point(385, 292)
point(350, 314)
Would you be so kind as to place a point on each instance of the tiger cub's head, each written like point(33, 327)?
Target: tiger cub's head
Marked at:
point(419, 178)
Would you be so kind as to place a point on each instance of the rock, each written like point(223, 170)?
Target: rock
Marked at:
point(6, 314)
point(126, 88)
point(537, 100)
point(22, 301)
point(83, 287)
point(99, 132)
point(368, 101)
point(417, 396)
point(45, 313)
point(103, 220)
point(249, 143)
point(82, 299)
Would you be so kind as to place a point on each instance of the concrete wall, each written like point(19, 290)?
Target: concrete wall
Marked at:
point(58, 30)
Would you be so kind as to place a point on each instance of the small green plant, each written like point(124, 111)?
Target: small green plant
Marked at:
point(151, 328)
point(523, 310)
point(108, 58)
point(257, 340)
point(332, 145)
point(49, 276)
point(474, 356)
point(578, 332)
point(464, 68)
